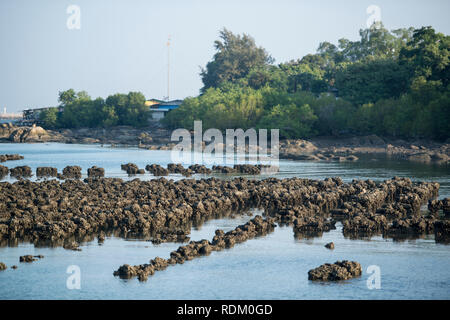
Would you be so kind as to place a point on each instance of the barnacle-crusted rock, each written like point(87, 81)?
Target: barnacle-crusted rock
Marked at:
point(157, 170)
point(223, 169)
point(255, 227)
point(73, 245)
point(10, 157)
point(196, 168)
point(330, 245)
point(71, 172)
point(27, 258)
point(132, 169)
point(46, 172)
point(442, 231)
point(3, 171)
point(435, 205)
point(340, 270)
point(96, 172)
point(21, 171)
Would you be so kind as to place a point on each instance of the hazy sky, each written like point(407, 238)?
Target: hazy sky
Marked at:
point(121, 45)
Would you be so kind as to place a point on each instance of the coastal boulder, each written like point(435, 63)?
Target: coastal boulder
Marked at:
point(157, 170)
point(131, 169)
point(72, 172)
point(10, 157)
point(96, 172)
point(28, 134)
point(46, 172)
point(3, 171)
point(21, 171)
point(340, 270)
point(330, 246)
point(27, 258)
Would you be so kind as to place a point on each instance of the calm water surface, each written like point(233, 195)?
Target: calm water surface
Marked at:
point(271, 267)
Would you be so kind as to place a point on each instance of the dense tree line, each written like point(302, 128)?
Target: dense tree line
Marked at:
point(79, 110)
point(392, 83)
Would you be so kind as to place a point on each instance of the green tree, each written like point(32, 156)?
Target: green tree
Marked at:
point(49, 118)
point(136, 113)
point(364, 82)
point(67, 97)
point(236, 55)
point(428, 53)
point(293, 121)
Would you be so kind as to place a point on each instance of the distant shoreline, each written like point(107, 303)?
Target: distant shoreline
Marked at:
point(344, 148)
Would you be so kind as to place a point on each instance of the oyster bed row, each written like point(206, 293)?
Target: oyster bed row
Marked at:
point(57, 213)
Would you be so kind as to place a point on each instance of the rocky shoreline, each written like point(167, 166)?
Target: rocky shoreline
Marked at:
point(350, 148)
point(338, 149)
point(120, 135)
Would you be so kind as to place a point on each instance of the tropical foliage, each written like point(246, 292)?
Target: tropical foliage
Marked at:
point(392, 83)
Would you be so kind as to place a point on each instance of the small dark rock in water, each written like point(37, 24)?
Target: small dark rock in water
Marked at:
point(3, 266)
point(131, 168)
point(312, 226)
point(334, 272)
point(352, 158)
point(435, 205)
point(3, 171)
point(126, 271)
point(46, 172)
point(21, 171)
point(442, 231)
point(101, 238)
point(72, 172)
point(330, 246)
point(14, 267)
point(178, 168)
point(96, 172)
point(27, 258)
point(244, 169)
point(9, 157)
point(157, 170)
point(223, 169)
point(247, 169)
point(197, 168)
point(72, 246)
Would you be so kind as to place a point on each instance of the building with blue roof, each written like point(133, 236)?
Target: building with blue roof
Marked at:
point(159, 108)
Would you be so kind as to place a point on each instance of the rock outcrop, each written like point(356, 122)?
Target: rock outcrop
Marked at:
point(46, 172)
point(21, 171)
point(10, 157)
point(340, 270)
point(132, 169)
point(3, 171)
point(330, 245)
point(71, 172)
point(96, 172)
point(255, 227)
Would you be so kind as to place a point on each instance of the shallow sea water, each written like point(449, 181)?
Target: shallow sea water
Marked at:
point(270, 267)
